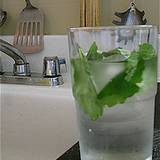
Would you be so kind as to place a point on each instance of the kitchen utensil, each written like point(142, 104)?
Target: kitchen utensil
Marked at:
point(89, 13)
point(29, 32)
point(132, 16)
point(3, 17)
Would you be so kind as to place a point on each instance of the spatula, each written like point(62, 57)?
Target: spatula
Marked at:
point(29, 32)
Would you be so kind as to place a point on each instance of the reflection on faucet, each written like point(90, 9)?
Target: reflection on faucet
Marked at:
point(21, 66)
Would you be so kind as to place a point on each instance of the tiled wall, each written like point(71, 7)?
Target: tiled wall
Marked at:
point(61, 14)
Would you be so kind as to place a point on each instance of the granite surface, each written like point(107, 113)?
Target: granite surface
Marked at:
point(157, 109)
point(74, 153)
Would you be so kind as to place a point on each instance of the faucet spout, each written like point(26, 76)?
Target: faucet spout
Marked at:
point(21, 67)
point(13, 52)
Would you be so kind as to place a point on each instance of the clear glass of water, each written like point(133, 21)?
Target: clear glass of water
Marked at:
point(114, 77)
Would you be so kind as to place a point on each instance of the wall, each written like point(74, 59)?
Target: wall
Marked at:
point(1, 3)
point(159, 15)
point(151, 7)
point(62, 14)
point(59, 15)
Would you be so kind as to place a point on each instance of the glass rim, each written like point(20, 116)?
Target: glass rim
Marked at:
point(74, 29)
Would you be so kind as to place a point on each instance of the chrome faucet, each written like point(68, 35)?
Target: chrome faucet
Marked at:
point(21, 69)
point(51, 72)
point(21, 66)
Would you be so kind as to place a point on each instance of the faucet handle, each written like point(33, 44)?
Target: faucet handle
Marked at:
point(51, 67)
point(54, 66)
point(63, 65)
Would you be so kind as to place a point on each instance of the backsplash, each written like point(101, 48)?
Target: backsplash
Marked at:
point(53, 46)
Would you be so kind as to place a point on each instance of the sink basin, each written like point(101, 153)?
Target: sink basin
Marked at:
point(38, 123)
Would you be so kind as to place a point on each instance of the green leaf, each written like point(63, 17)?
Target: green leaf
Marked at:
point(131, 65)
point(117, 91)
point(138, 66)
point(125, 84)
point(147, 51)
point(149, 75)
point(137, 72)
point(117, 51)
point(93, 53)
point(112, 52)
point(134, 68)
point(135, 65)
point(83, 88)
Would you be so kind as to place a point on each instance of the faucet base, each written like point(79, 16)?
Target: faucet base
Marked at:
point(35, 79)
point(21, 70)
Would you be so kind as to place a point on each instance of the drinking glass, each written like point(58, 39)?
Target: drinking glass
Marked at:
point(114, 79)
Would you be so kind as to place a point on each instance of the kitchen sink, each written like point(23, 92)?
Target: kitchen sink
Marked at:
point(37, 122)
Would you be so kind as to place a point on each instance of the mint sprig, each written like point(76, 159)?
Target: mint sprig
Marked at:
point(119, 89)
point(123, 85)
point(83, 87)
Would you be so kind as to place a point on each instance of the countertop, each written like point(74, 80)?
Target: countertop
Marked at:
point(74, 154)
point(157, 112)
